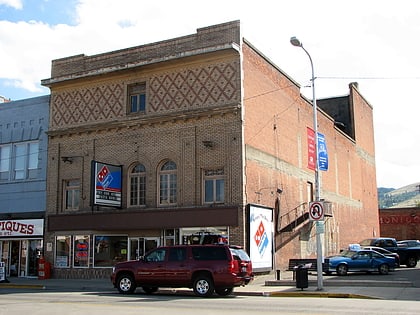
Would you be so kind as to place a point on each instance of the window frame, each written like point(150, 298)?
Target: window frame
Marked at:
point(19, 161)
point(214, 177)
point(110, 263)
point(167, 183)
point(85, 253)
point(5, 162)
point(141, 184)
point(75, 196)
point(68, 242)
point(139, 92)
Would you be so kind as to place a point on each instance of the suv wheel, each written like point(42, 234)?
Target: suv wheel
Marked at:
point(224, 291)
point(203, 286)
point(126, 284)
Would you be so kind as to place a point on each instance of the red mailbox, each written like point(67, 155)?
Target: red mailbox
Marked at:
point(44, 269)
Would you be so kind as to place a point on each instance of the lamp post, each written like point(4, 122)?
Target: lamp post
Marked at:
point(296, 42)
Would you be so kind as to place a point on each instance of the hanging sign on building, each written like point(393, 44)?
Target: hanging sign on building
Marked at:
point(21, 228)
point(322, 151)
point(106, 184)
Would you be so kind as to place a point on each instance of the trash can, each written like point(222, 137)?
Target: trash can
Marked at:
point(301, 277)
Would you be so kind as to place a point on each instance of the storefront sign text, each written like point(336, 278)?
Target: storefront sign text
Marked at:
point(21, 227)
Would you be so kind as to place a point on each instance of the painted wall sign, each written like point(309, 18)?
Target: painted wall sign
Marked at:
point(399, 219)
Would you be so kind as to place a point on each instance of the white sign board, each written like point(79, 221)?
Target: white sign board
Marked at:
point(21, 228)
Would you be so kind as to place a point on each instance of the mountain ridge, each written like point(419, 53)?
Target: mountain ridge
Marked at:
point(404, 197)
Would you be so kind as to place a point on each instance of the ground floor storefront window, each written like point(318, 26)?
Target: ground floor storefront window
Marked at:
point(20, 257)
point(88, 255)
point(78, 251)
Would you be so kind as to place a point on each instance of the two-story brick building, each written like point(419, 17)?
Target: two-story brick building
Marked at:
point(150, 144)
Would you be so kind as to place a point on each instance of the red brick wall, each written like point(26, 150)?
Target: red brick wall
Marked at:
point(400, 223)
point(275, 131)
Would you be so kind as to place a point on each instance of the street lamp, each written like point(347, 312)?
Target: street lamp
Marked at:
point(296, 42)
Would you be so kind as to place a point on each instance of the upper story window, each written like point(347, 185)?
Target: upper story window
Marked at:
point(167, 183)
point(19, 161)
point(137, 98)
point(214, 186)
point(137, 178)
point(71, 194)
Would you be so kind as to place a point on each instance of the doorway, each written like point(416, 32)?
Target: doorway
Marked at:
point(141, 245)
point(21, 257)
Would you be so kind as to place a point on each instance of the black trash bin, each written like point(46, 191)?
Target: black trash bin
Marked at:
point(301, 277)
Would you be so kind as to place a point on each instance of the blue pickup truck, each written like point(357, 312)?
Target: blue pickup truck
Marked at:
point(409, 256)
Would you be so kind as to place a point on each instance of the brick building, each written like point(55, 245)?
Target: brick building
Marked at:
point(199, 133)
point(400, 223)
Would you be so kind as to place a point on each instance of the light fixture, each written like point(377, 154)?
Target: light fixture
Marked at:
point(208, 143)
point(67, 159)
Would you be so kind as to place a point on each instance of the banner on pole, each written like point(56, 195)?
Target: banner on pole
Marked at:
point(322, 151)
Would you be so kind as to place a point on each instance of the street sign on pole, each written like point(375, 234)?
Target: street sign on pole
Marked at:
point(316, 211)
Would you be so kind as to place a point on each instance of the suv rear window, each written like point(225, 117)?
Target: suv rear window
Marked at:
point(209, 253)
point(239, 254)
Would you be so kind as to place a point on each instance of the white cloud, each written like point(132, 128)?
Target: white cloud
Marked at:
point(353, 41)
point(16, 4)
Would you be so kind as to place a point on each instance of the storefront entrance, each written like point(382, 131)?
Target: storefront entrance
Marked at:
point(21, 256)
point(141, 245)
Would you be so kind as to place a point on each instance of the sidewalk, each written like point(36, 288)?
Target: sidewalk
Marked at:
point(263, 285)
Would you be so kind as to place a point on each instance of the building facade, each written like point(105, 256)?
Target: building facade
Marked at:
point(400, 223)
point(150, 144)
point(23, 175)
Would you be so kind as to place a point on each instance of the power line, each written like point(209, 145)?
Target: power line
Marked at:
point(368, 78)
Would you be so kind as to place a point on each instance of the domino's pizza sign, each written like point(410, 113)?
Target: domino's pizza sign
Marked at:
point(261, 230)
point(107, 184)
point(261, 239)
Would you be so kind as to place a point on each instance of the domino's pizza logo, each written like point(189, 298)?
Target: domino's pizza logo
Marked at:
point(261, 239)
point(104, 177)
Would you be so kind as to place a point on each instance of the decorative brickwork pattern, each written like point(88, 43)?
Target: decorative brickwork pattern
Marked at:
point(99, 103)
point(193, 88)
point(185, 89)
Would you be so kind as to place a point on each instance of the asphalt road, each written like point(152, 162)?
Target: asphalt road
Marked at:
point(52, 303)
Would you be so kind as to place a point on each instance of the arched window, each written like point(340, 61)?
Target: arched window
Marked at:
point(167, 183)
point(137, 178)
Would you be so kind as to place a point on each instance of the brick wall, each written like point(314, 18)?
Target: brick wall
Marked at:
point(276, 119)
point(400, 223)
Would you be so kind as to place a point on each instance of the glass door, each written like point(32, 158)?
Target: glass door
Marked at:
point(14, 258)
point(141, 245)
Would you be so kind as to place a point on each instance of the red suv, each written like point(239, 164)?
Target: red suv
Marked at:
point(204, 268)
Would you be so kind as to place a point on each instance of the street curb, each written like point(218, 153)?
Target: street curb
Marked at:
point(322, 295)
point(22, 286)
point(345, 283)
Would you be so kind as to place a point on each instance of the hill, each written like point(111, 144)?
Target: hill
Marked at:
point(404, 197)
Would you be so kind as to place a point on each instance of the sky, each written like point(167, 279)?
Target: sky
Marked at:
point(373, 42)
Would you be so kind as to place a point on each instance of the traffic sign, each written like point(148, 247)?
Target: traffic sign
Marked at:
point(316, 211)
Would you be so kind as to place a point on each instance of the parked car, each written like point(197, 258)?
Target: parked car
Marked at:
point(384, 252)
point(409, 243)
point(361, 260)
point(204, 268)
point(409, 256)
